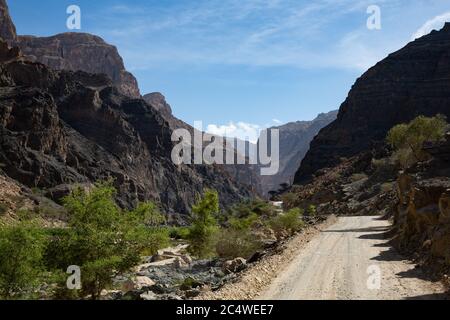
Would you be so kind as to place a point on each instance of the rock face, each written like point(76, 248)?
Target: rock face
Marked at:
point(295, 138)
point(157, 100)
point(80, 52)
point(71, 51)
point(422, 218)
point(410, 82)
point(58, 128)
point(7, 28)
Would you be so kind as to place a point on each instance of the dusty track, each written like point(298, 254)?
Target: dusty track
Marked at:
point(334, 265)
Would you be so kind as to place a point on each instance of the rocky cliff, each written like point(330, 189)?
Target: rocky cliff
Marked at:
point(71, 51)
point(157, 100)
point(295, 138)
point(410, 82)
point(7, 28)
point(59, 128)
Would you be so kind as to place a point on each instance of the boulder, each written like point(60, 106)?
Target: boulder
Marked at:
point(138, 283)
point(234, 266)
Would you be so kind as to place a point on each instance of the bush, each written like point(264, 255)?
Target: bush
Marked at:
point(287, 223)
point(236, 243)
point(311, 211)
point(252, 207)
point(204, 227)
point(103, 239)
point(21, 250)
point(244, 223)
point(179, 233)
point(290, 200)
point(408, 139)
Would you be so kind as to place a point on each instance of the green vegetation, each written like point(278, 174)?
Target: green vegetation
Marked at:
point(236, 243)
point(311, 211)
point(102, 239)
point(407, 139)
point(21, 250)
point(204, 227)
point(287, 223)
point(105, 240)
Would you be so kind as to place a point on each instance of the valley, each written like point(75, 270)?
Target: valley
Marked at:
point(352, 205)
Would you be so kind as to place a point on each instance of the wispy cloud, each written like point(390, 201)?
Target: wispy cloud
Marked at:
point(433, 24)
point(254, 33)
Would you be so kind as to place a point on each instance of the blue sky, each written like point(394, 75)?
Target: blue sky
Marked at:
point(238, 64)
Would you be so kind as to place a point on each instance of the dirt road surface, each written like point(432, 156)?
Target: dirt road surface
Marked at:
point(352, 260)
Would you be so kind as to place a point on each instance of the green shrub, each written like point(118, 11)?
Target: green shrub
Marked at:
point(408, 139)
point(251, 207)
point(204, 227)
point(244, 223)
point(288, 222)
point(234, 243)
point(103, 239)
point(179, 233)
point(21, 250)
point(311, 211)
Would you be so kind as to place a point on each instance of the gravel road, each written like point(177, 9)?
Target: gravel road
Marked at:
point(351, 260)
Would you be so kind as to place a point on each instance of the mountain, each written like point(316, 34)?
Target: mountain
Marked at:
point(410, 82)
point(71, 51)
point(60, 127)
point(295, 138)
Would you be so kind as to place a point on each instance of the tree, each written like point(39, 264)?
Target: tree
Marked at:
point(204, 226)
point(103, 239)
point(21, 250)
point(408, 139)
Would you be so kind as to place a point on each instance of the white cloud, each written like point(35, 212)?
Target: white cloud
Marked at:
point(241, 130)
point(433, 24)
point(276, 121)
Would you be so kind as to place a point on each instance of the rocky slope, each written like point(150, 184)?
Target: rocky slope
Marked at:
point(71, 51)
point(413, 81)
point(295, 138)
point(62, 127)
point(422, 211)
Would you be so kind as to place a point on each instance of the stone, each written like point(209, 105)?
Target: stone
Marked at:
point(143, 282)
point(148, 295)
point(234, 266)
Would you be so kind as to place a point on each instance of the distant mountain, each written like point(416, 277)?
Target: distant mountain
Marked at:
point(410, 82)
point(295, 138)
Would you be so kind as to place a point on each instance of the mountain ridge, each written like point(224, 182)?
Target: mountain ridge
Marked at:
point(410, 82)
